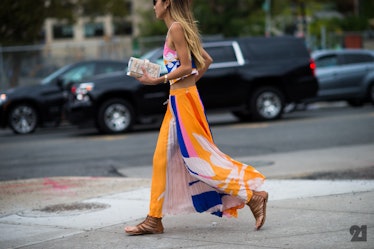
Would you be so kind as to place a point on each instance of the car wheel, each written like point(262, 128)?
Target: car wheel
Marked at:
point(115, 116)
point(23, 119)
point(267, 103)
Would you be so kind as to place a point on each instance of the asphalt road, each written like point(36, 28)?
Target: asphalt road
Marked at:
point(68, 151)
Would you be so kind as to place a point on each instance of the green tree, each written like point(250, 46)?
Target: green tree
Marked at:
point(356, 15)
point(247, 17)
point(216, 17)
point(230, 18)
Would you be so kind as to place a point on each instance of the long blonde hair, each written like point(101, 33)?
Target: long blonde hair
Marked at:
point(180, 11)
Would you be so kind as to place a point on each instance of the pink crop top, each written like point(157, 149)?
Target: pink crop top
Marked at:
point(172, 62)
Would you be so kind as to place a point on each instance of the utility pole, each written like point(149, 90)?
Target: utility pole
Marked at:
point(2, 71)
point(266, 6)
point(356, 4)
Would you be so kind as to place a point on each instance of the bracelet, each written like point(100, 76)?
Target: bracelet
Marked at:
point(166, 78)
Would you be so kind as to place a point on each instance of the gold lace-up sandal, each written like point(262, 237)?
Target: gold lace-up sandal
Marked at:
point(150, 225)
point(257, 204)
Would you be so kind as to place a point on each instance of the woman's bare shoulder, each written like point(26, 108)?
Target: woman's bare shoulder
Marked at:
point(176, 27)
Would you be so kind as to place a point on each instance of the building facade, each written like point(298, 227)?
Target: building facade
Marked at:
point(103, 36)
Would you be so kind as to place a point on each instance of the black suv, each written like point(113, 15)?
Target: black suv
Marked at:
point(26, 107)
point(250, 77)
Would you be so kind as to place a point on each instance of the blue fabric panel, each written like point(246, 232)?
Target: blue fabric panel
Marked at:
point(204, 201)
point(218, 213)
point(179, 132)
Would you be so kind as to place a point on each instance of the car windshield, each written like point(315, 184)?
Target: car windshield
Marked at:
point(54, 75)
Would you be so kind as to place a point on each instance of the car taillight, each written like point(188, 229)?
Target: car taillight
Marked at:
point(73, 89)
point(312, 66)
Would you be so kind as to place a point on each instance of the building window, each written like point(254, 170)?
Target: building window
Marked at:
point(122, 28)
point(94, 30)
point(63, 31)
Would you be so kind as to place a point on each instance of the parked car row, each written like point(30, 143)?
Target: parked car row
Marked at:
point(253, 78)
point(25, 108)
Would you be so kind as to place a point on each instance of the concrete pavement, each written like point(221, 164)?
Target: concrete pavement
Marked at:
point(91, 212)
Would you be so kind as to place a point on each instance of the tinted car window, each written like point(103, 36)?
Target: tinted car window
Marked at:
point(109, 67)
point(222, 54)
point(264, 49)
point(357, 58)
point(327, 61)
point(78, 73)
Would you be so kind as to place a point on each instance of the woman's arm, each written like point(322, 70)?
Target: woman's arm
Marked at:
point(208, 61)
point(179, 44)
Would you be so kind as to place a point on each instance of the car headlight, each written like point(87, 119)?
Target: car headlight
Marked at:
point(3, 98)
point(81, 91)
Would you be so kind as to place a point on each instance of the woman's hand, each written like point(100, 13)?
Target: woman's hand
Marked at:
point(146, 79)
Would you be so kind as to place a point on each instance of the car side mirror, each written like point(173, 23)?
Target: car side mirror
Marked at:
point(64, 85)
point(68, 85)
point(60, 82)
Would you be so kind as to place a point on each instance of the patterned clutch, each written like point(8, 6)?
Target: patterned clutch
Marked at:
point(135, 65)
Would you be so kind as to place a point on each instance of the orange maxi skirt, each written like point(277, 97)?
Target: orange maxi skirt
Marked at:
point(190, 174)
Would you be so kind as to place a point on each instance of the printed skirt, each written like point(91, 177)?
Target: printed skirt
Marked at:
point(190, 174)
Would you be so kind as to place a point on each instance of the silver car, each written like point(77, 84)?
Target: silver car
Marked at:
point(346, 74)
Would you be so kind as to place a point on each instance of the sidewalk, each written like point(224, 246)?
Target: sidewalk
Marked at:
point(301, 213)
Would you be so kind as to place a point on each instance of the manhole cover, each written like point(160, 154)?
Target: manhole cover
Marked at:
point(65, 209)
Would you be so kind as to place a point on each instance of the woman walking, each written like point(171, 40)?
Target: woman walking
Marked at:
point(190, 174)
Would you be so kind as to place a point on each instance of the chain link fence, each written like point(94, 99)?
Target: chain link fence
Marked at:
point(25, 65)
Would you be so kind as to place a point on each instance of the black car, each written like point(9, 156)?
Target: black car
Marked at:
point(254, 78)
point(24, 108)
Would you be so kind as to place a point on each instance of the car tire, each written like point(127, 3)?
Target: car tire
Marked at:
point(115, 116)
point(267, 103)
point(23, 119)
